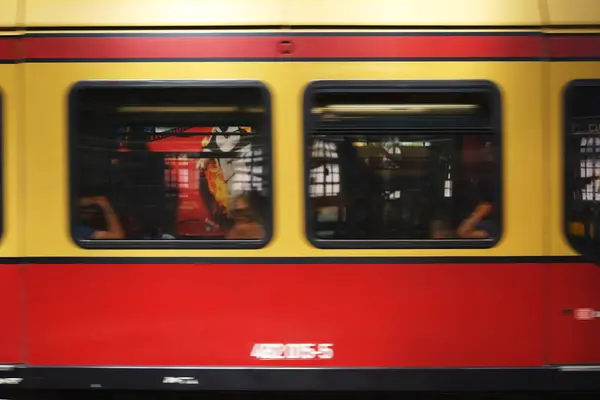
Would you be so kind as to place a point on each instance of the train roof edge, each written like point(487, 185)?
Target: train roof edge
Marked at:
point(278, 13)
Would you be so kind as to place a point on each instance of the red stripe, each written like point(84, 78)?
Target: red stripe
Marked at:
point(575, 46)
point(418, 46)
point(269, 47)
point(150, 47)
point(8, 49)
point(303, 47)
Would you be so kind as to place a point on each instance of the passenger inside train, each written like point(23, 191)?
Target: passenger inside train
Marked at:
point(167, 172)
point(98, 220)
point(247, 223)
point(481, 223)
point(404, 167)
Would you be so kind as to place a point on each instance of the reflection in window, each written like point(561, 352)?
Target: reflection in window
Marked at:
point(590, 168)
point(189, 170)
point(405, 176)
point(582, 168)
point(448, 183)
point(324, 178)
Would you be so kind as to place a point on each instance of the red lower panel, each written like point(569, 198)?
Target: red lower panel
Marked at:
point(11, 306)
point(574, 337)
point(375, 315)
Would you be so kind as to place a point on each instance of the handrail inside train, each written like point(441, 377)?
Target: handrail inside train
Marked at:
point(186, 109)
point(394, 109)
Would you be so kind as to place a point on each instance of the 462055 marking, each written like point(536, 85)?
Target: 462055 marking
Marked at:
point(292, 351)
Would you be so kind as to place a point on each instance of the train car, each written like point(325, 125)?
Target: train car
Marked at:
point(300, 195)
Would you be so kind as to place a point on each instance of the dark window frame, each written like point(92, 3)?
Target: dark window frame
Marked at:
point(568, 184)
point(439, 86)
point(158, 244)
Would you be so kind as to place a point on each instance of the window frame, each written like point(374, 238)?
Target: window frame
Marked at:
point(157, 244)
point(435, 86)
point(567, 178)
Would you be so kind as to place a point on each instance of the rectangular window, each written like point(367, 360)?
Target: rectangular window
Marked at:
point(582, 166)
point(170, 164)
point(402, 164)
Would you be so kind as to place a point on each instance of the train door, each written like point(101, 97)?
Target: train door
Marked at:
point(574, 140)
point(11, 295)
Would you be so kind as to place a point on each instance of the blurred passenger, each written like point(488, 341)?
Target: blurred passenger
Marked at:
point(247, 223)
point(440, 230)
point(481, 223)
point(86, 229)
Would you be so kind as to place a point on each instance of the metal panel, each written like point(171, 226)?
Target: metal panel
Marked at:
point(574, 12)
point(8, 13)
point(414, 13)
point(152, 12)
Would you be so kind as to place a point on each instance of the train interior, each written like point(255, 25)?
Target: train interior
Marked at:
point(170, 161)
point(398, 165)
point(583, 166)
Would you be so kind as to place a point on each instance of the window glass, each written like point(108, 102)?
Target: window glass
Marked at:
point(404, 166)
point(172, 164)
point(582, 167)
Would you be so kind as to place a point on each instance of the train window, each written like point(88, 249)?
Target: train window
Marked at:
point(582, 167)
point(170, 164)
point(402, 164)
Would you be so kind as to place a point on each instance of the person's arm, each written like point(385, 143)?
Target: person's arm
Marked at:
point(246, 231)
point(114, 228)
point(468, 228)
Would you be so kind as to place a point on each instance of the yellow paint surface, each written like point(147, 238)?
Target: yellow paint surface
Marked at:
point(414, 13)
point(13, 162)
point(47, 87)
point(573, 12)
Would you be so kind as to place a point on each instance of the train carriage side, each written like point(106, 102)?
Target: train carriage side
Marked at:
point(573, 123)
point(248, 202)
point(11, 284)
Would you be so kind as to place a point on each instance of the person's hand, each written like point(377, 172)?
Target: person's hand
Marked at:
point(482, 210)
point(100, 201)
point(86, 201)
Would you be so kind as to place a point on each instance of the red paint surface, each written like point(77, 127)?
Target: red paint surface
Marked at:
point(442, 46)
point(416, 46)
point(574, 46)
point(152, 47)
point(375, 315)
point(9, 50)
point(571, 287)
point(11, 306)
point(328, 46)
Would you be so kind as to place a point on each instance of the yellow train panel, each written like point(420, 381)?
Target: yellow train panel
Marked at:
point(280, 12)
point(573, 12)
point(47, 86)
point(9, 13)
point(414, 13)
point(78, 13)
point(12, 163)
